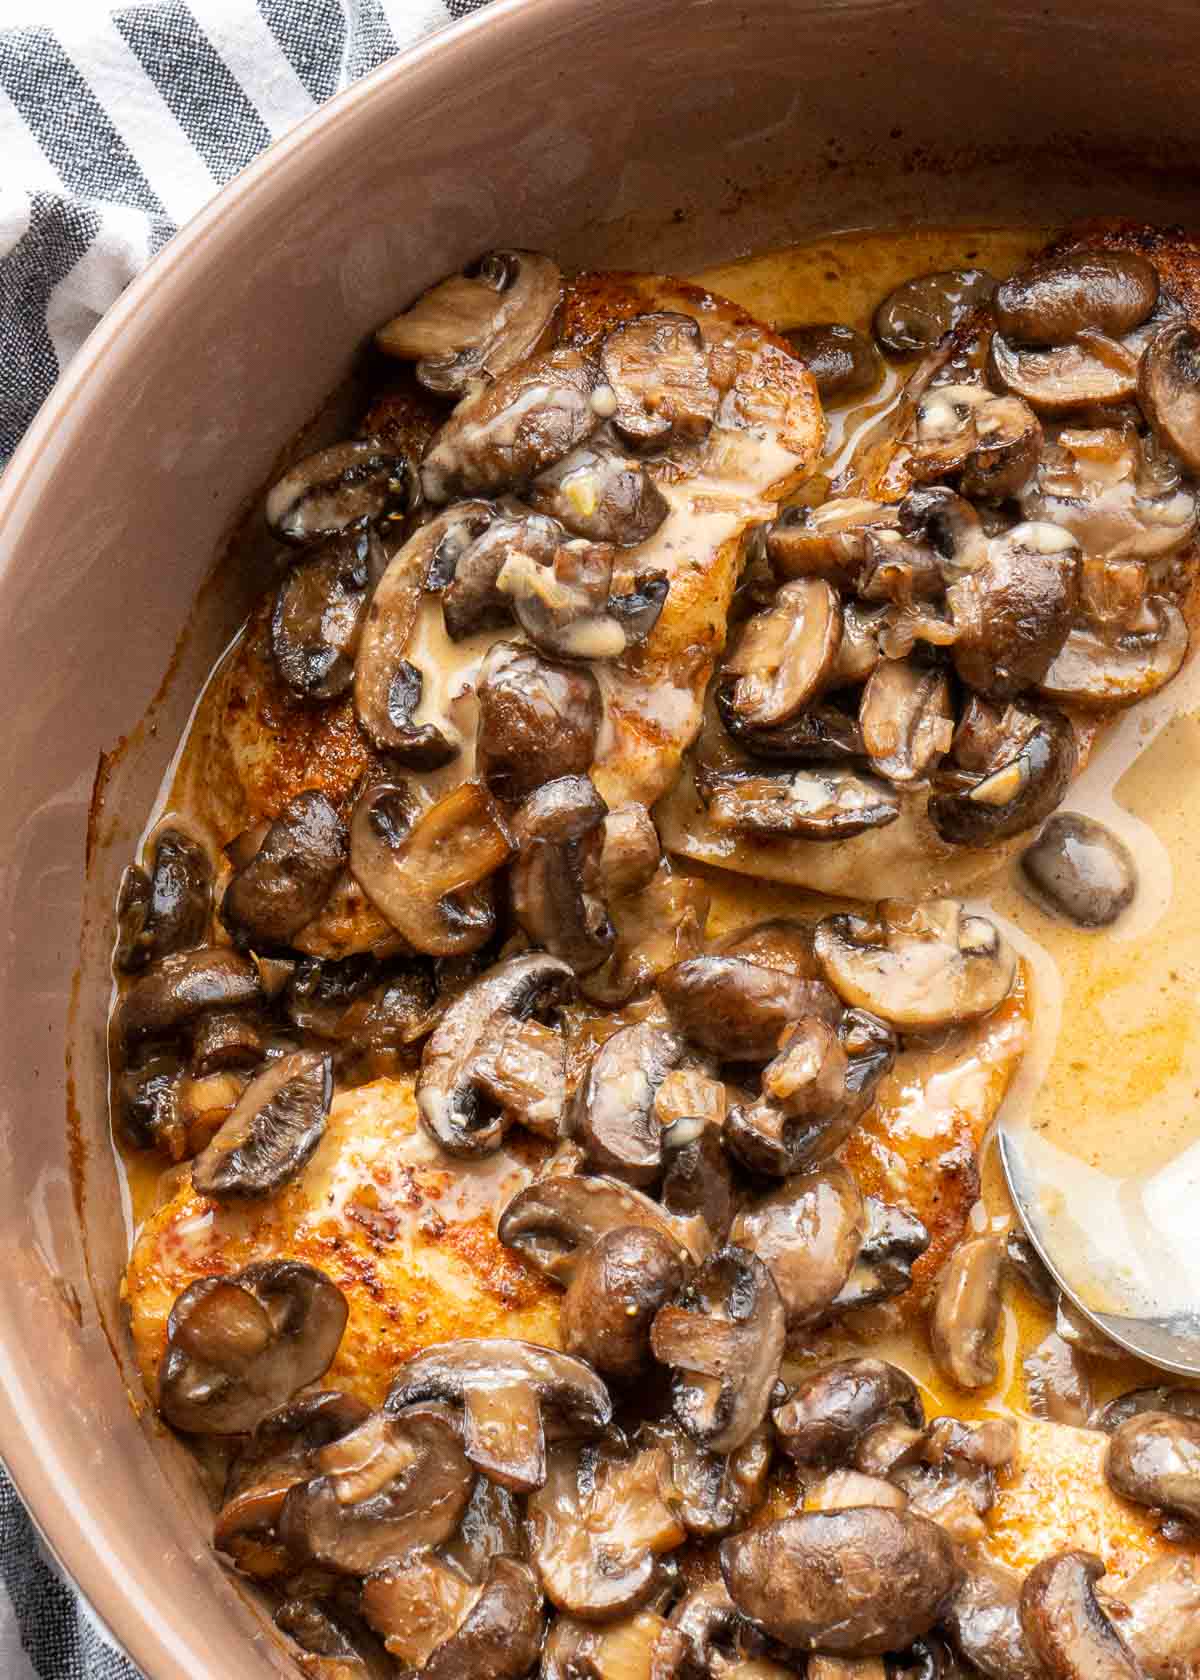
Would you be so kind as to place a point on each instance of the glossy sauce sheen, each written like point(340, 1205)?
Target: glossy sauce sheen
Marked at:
point(1112, 1073)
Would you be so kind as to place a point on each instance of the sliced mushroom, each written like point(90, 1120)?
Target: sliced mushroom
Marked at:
point(983, 1619)
point(551, 1224)
point(1123, 500)
point(599, 1526)
point(806, 1109)
point(1091, 370)
point(513, 1394)
point(842, 360)
point(966, 1312)
point(240, 1345)
point(639, 1644)
point(1168, 1397)
point(390, 1486)
point(659, 373)
point(807, 1233)
point(1118, 669)
point(1014, 614)
point(740, 1009)
point(442, 1628)
point(538, 720)
point(272, 1133)
point(830, 541)
point(822, 734)
point(631, 853)
point(906, 718)
point(504, 433)
point(952, 1476)
point(558, 835)
point(810, 804)
point(1169, 389)
point(688, 1105)
point(894, 1241)
point(492, 1526)
point(920, 312)
point(223, 1041)
point(698, 1183)
point(950, 525)
point(1057, 1382)
point(613, 1111)
point(426, 870)
point(1032, 762)
point(336, 1645)
point(289, 876)
point(364, 1008)
point(723, 1337)
point(829, 1411)
point(917, 967)
point(327, 492)
point(566, 608)
point(319, 612)
point(1052, 300)
point(457, 1088)
point(1158, 1615)
point(481, 322)
point(784, 656)
point(989, 444)
point(173, 991)
point(1154, 1459)
point(859, 1581)
point(1067, 1631)
point(620, 1283)
point(166, 910)
point(148, 1105)
point(598, 493)
point(657, 928)
point(713, 1493)
point(471, 597)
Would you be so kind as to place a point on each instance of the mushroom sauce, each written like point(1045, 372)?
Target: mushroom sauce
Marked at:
point(557, 1044)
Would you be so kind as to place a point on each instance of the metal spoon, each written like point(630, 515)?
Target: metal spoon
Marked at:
point(1138, 1270)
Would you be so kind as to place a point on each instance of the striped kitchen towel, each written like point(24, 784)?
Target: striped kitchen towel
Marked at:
point(115, 127)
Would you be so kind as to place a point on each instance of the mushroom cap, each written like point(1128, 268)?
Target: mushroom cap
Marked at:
point(919, 313)
point(166, 910)
point(337, 487)
point(1068, 1632)
point(859, 1581)
point(1037, 754)
point(285, 882)
point(983, 1619)
point(831, 1409)
point(814, 803)
point(598, 492)
point(613, 1114)
point(452, 1096)
point(319, 611)
point(739, 1008)
point(1051, 301)
point(175, 989)
point(558, 835)
point(842, 360)
point(1085, 871)
point(917, 967)
point(966, 1312)
point(539, 719)
point(1153, 1458)
point(1169, 389)
point(619, 1285)
point(272, 1132)
point(1091, 369)
point(660, 375)
point(807, 1233)
point(784, 656)
point(1097, 668)
point(553, 1222)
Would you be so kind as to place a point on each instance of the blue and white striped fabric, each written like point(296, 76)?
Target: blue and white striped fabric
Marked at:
point(115, 127)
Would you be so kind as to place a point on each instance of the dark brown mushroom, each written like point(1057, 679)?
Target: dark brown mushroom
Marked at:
point(1158, 1615)
point(599, 1526)
point(983, 1619)
point(173, 991)
point(336, 1644)
point(1052, 300)
point(921, 311)
point(698, 1183)
point(148, 1105)
point(539, 720)
point(325, 493)
point(513, 1395)
point(1022, 1262)
point(1090, 370)
point(288, 877)
point(722, 1640)
point(426, 869)
point(782, 942)
point(1013, 614)
point(740, 1009)
point(631, 851)
point(917, 967)
point(471, 597)
point(818, 803)
point(807, 1233)
point(389, 1486)
point(829, 1411)
point(223, 1041)
point(619, 1285)
point(613, 1111)
point(657, 927)
point(1153, 1458)
point(894, 1241)
point(821, 734)
point(950, 525)
point(1082, 869)
point(786, 655)
point(565, 605)
point(640, 1643)
point(366, 1009)
point(167, 908)
point(966, 1312)
point(806, 1109)
point(319, 612)
point(492, 1631)
point(1169, 389)
point(859, 1581)
point(723, 1338)
point(477, 324)
point(598, 493)
point(906, 719)
point(240, 1345)
point(1031, 757)
point(551, 1224)
point(1057, 1384)
point(558, 835)
point(492, 1526)
point(504, 433)
point(1163, 1397)
point(460, 1098)
point(273, 1131)
point(988, 444)
point(1105, 667)
point(713, 1493)
point(658, 370)
point(1067, 1631)
point(842, 360)
point(951, 1476)
point(830, 541)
